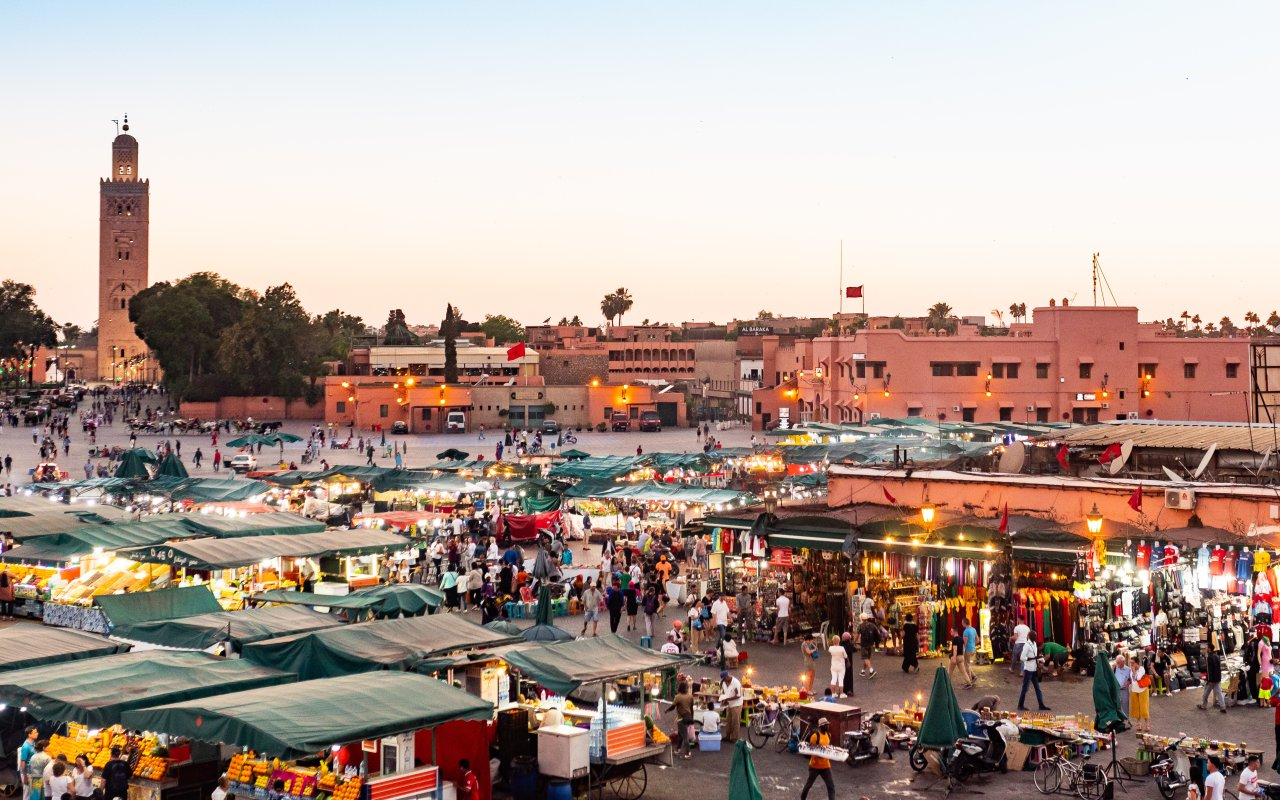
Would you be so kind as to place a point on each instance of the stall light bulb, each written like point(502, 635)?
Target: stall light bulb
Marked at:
point(23, 710)
point(3, 706)
point(613, 695)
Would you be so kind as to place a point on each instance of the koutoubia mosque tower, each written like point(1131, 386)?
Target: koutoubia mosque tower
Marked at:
point(122, 264)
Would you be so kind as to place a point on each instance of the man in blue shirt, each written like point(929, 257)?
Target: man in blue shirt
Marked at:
point(25, 753)
point(970, 647)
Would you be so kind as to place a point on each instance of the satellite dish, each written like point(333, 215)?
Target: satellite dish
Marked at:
point(1204, 462)
point(1173, 476)
point(1117, 464)
point(1013, 458)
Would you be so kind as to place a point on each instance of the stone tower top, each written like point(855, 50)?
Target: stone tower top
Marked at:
point(124, 156)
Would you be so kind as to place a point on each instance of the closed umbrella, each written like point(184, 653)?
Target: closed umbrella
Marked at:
point(543, 629)
point(171, 467)
point(744, 784)
point(1109, 715)
point(132, 465)
point(544, 568)
point(942, 725)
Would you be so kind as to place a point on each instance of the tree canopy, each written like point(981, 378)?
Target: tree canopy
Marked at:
point(397, 330)
point(615, 304)
point(23, 325)
point(502, 329)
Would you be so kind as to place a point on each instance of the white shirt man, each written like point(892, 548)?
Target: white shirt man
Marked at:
point(1020, 632)
point(1214, 782)
point(720, 612)
point(1248, 788)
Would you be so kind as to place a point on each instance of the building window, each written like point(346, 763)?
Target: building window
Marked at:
point(341, 407)
point(1086, 371)
point(1233, 370)
point(1004, 371)
point(1042, 371)
point(1006, 414)
point(1042, 415)
point(1146, 371)
point(383, 411)
point(1189, 371)
point(1122, 345)
point(915, 411)
point(1122, 394)
point(943, 369)
point(967, 414)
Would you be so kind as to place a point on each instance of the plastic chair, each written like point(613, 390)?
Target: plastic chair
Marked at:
point(822, 634)
point(1038, 753)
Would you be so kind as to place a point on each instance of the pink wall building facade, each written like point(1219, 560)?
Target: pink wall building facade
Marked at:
point(1070, 363)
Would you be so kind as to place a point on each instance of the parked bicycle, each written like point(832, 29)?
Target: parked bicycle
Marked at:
point(1060, 773)
point(779, 723)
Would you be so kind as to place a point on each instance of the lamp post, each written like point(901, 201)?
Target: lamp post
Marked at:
point(1093, 521)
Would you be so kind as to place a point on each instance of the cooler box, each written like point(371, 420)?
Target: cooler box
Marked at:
point(563, 751)
point(708, 742)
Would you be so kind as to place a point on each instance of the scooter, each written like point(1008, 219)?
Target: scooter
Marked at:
point(1164, 767)
point(974, 755)
point(859, 743)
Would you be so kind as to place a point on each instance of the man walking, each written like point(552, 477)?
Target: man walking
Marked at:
point(820, 767)
point(1213, 683)
point(1020, 632)
point(591, 601)
point(970, 635)
point(868, 636)
point(731, 699)
point(1030, 673)
point(783, 604)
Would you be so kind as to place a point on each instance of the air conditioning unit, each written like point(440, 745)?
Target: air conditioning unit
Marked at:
point(1030, 409)
point(1106, 405)
point(956, 409)
point(1131, 415)
point(874, 415)
point(1182, 499)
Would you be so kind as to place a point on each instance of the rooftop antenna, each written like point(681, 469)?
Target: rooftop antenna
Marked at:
point(1098, 274)
point(117, 122)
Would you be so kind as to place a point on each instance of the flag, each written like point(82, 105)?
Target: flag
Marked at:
point(1135, 499)
point(853, 291)
point(1063, 457)
point(888, 496)
point(1004, 519)
point(1110, 454)
point(515, 351)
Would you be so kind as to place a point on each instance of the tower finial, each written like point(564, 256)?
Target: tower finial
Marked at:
point(117, 122)
point(126, 123)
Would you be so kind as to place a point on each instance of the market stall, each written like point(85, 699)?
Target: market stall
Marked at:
point(389, 600)
point(23, 646)
point(394, 644)
point(236, 628)
point(405, 741)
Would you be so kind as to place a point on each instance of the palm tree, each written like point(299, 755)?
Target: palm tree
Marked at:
point(999, 315)
point(71, 334)
point(1227, 327)
point(1196, 321)
point(1184, 316)
point(1273, 321)
point(1013, 311)
point(609, 307)
point(576, 320)
point(624, 302)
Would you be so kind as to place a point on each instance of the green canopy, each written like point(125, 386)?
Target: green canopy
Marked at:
point(504, 626)
point(96, 695)
point(1109, 716)
point(279, 437)
point(249, 440)
point(302, 719)
point(942, 725)
point(171, 467)
point(132, 465)
point(215, 490)
point(540, 505)
point(277, 522)
point(60, 518)
point(203, 631)
point(600, 467)
point(369, 646)
point(575, 455)
point(453, 454)
point(392, 599)
point(161, 604)
point(543, 629)
point(658, 492)
point(563, 667)
point(744, 784)
point(211, 554)
point(23, 646)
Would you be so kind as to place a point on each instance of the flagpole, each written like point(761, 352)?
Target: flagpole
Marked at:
point(840, 288)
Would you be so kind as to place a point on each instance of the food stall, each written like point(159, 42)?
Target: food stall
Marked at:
point(23, 646)
point(621, 734)
point(234, 628)
point(390, 644)
point(403, 744)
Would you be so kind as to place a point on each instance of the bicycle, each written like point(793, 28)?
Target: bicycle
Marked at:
point(778, 722)
point(1059, 771)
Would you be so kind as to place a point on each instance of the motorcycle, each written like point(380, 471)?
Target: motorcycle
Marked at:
point(973, 755)
point(861, 743)
point(569, 438)
point(1169, 779)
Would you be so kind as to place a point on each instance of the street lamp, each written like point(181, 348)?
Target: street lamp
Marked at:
point(1093, 521)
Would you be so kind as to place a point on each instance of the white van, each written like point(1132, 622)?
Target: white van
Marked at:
point(455, 422)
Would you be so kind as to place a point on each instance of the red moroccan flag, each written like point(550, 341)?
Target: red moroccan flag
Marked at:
point(888, 496)
point(516, 351)
point(1135, 499)
point(1110, 454)
point(853, 291)
point(1064, 457)
point(1004, 519)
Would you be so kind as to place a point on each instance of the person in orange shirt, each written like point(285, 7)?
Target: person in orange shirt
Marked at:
point(820, 767)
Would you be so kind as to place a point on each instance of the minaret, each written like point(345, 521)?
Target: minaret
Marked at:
point(122, 264)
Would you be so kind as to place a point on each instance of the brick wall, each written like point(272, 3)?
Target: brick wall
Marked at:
point(260, 408)
point(569, 368)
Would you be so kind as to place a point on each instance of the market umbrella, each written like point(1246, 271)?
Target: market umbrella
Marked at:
point(1109, 717)
point(575, 455)
point(172, 467)
point(453, 454)
point(249, 440)
point(743, 782)
point(132, 465)
point(543, 567)
point(942, 725)
point(504, 626)
point(543, 629)
point(282, 438)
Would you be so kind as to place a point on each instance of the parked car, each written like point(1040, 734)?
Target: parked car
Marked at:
point(620, 421)
point(550, 427)
point(455, 422)
point(650, 421)
point(243, 462)
point(399, 426)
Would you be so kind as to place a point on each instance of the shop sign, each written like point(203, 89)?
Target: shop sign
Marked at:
point(1083, 396)
point(755, 330)
point(780, 557)
point(369, 745)
point(784, 418)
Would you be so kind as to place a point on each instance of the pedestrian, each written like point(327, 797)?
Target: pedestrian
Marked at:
point(1247, 787)
point(820, 767)
point(868, 633)
point(6, 593)
point(1214, 780)
point(746, 603)
point(615, 601)
point(839, 663)
point(808, 657)
point(1213, 684)
point(783, 626)
point(28, 749)
point(36, 764)
point(910, 645)
point(1030, 660)
point(970, 635)
point(1140, 697)
point(650, 609)
point(720, 617)
point(469, 786)
point(1019, 639)
point(217, 465)
point(695, 626)
point(955, 657)
point(682, 706)
point(1123, 674)
point(592, 602)
point(632, 595)
point(82, 777)
point(731, 699)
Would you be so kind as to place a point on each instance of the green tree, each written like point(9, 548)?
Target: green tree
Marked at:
point(1273, 321)
point(341, 330)
point(624, 302)
point(897, 323)
point(576, 320)
point(24, 327)
point(275, 348)
point(71, 333)
point(450, 326)
point(939, 317)
point(502, 329)
point(762, 314)
point(397, 330)
point(182, 323)
point(563, 321)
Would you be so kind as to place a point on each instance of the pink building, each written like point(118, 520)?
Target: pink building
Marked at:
point(1077, 363)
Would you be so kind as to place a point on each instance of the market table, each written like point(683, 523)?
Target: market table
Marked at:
point(841, 717)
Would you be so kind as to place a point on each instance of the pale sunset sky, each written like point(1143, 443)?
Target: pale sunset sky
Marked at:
point(525, 158)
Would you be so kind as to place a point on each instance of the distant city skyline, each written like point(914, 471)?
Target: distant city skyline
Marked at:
point(526, 160)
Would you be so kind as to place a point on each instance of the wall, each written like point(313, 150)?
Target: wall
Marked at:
point(579, 366)
point(262, 409)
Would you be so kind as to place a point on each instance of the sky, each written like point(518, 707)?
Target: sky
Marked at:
point(526, 158)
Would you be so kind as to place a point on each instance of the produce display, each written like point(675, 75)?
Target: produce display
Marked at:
point(252, 774)
point(141, 752)
point(31, 583)
point(116, 577)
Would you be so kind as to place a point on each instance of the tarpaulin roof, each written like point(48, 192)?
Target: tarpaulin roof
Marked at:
point(59, 518)
point(295, 477)
point(648, 490)
point(241, 552)
point(607, 467)
point(563, 667)
point(302, 719)
point(97, 694)
point(23, 646)
point(279, 522)
point(409, 599)
point(161, 604)
point(203, 631)
point(368, 646)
